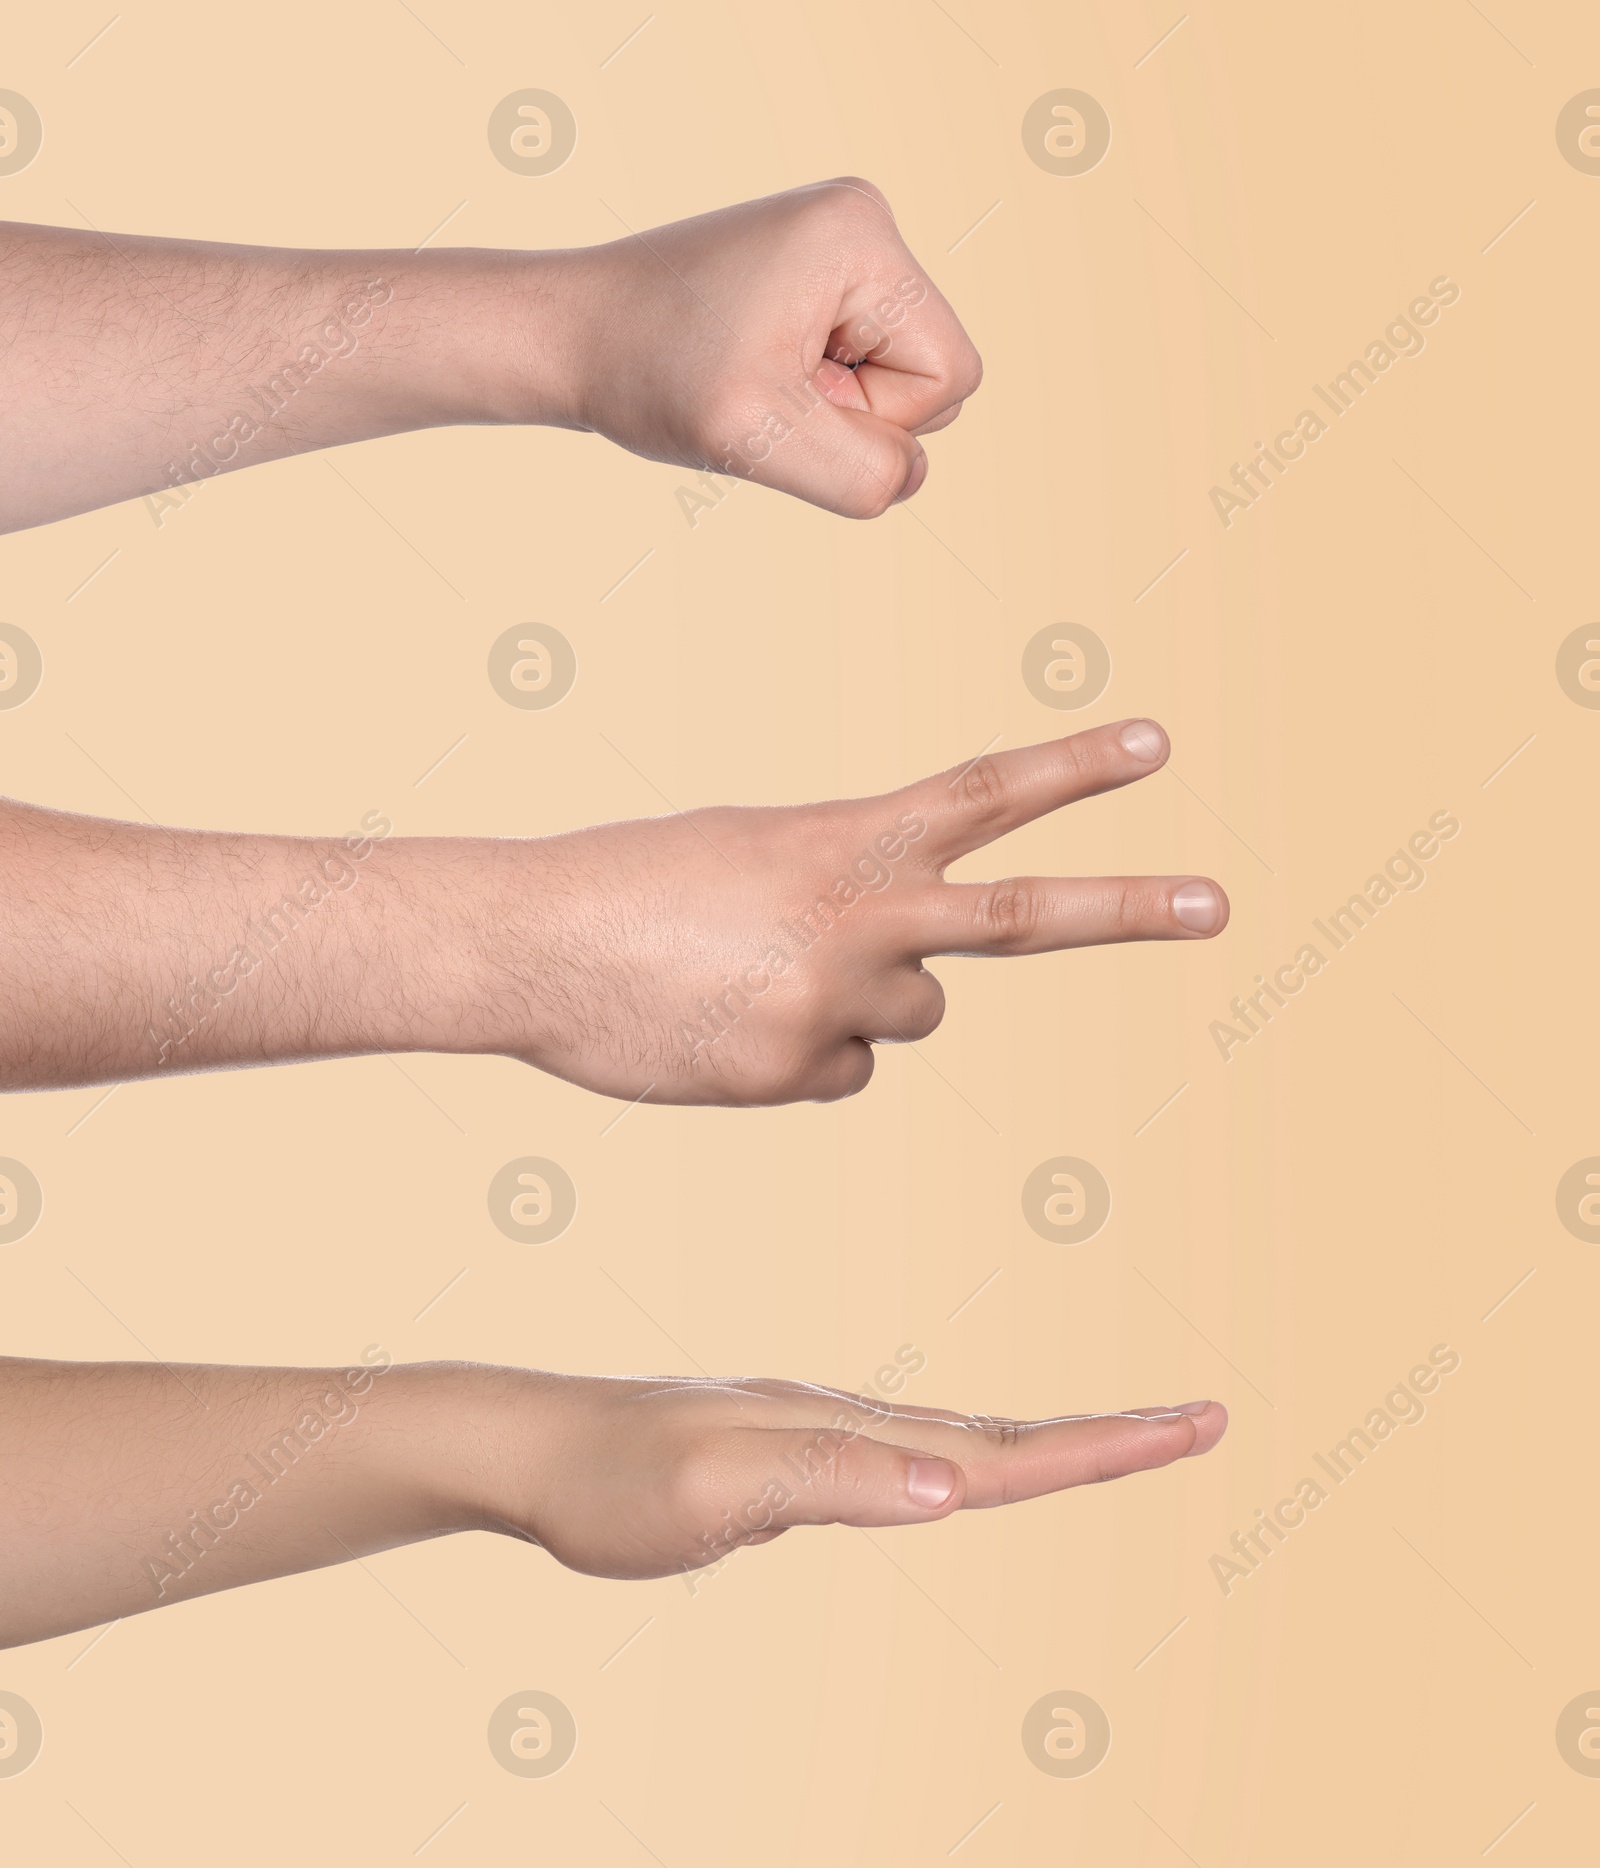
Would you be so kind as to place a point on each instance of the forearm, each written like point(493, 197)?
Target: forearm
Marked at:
point(128, 1486)
point(129, 365)
point(133, 950)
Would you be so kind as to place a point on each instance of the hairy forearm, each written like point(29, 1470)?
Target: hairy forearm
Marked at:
point(133, 950)
point(131, 365)
point(128, 1486)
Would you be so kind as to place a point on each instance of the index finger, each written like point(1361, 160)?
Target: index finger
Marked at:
point(912, 357)
point(975, 803)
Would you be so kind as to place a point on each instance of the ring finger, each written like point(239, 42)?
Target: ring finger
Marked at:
point(900, 1007)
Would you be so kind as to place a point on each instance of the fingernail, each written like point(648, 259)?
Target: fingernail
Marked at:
point(929, 1482)
point(1194, 1407)
point(1197, 906)
point(830, 374)
point(914, 479)
point(1144, 739)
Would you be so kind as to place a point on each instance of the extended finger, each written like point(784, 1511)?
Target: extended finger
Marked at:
point(1043, 914)
point(974, 803)
point(814, 1405)
point(834, 1475)
point(1005, 1461)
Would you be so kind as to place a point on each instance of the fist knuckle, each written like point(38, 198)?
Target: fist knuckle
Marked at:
point(928, 1013)
point(867, 496)
point(852, 1077)
point(876, 484)
point(846, 1073)
point(804, 1068)
point(855, 193)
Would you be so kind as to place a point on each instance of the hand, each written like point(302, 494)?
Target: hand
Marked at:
point(632, 1479)
point(227, 1476)
point(752, 957)
point(717, 343)
point(733, 956)
point(725, 343)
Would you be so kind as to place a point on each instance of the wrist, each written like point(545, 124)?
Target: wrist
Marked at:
point(431, 1445)
point(447, 950)
point(505, 334)
point(504, 1418)
point(503, 937)
point(415, 954)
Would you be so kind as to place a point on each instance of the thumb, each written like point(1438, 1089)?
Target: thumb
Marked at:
point(842, 457)
point(828, 1475)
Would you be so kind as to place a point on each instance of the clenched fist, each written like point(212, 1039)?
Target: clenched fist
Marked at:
point(793, 340)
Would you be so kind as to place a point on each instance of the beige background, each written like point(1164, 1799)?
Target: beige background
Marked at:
point(1368, 1178)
